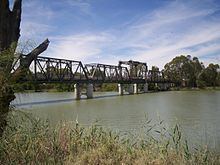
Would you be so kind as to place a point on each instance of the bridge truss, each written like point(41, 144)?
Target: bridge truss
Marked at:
point(51, 70)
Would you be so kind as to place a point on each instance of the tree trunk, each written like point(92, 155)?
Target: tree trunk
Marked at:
point(9, 24)
point(9, 35)
point(6, 96)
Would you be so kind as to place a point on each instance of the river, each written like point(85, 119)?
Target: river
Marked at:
point(198, 112)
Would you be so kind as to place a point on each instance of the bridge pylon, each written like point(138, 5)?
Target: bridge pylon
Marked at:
point(131, 89)
point(121, 89)
point(145, 87)
point(89, 91)
point(77, 91)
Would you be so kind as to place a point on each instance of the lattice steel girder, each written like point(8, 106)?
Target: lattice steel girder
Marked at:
point(105, 72)
point(52, 70)
point(137, 70)
point(46, 69)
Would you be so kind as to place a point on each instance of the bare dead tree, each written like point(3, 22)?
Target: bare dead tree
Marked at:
point(9, 36)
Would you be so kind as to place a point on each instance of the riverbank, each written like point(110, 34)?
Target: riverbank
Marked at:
point(59, 87)
point(28, 140)
point(108, 87)
point(196, 89)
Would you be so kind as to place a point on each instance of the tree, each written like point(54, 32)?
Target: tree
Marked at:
point(209, 76)
point(183, 69)
point(9, 36)
point(218, 78)
point(155, 72)
point(197, 67)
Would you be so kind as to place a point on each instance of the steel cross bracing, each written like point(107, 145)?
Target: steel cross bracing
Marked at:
point(107, 73)
point(50, 70)
point(156, 77)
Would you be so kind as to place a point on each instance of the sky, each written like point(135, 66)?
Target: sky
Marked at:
point(106, 31)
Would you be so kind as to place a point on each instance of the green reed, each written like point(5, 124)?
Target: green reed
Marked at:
point(28, 140)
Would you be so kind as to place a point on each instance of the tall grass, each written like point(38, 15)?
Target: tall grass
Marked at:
point(28, 140)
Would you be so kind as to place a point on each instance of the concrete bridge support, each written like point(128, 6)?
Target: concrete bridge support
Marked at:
point(156, 85)
point(77, 91)
point(135, 88)
point(120, 89)
point(145, 87)
point(89, 91)
point(167, 85)
point(131, 89)
point(161, 86)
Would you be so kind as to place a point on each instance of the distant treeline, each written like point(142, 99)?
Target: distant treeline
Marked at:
point(190, 72)
point(60, 87)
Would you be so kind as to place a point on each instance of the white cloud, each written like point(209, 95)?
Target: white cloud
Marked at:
point(79, 47)
point(35, 30)
point(83, 5)
point(172, 47)
point(179, 27)
point(36, 19)
point(170, 31)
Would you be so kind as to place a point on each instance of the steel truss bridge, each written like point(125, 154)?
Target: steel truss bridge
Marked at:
point(54, 70)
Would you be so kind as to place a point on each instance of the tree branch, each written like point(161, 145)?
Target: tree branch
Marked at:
point(34, 53)
point(26, 62)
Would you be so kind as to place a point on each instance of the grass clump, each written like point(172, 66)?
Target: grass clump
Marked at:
point(28, 140)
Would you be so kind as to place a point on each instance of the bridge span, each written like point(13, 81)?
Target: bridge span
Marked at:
point(130, 73)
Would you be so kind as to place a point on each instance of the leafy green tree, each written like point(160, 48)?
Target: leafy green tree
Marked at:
point(183, 69)
point(197, 67)
point(218, 78)
point(154, 72)
point(209, 76)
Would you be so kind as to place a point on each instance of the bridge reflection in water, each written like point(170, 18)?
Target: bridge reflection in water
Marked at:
point(132, 73)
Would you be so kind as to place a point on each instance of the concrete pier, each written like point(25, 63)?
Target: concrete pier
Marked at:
point(131, 89)
point(169, 85)
point(135, 88)
point(166, 85)
point(77, 92)
point(145, 87)
point(120, 89)
point(156, 86)
point(89, 91)
point(160, 86)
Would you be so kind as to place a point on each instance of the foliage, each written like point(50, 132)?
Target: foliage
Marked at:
point(109, 87)
point(6, 92)
point(209, 76)
point(191, 72)
point(28, 140)
point(60, 87)
point(30, 86)
point(64, 87)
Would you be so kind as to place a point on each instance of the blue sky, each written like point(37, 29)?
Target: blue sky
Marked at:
point(105, 31)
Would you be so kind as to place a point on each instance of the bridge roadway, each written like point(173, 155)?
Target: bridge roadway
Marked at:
point(54, 70)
